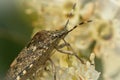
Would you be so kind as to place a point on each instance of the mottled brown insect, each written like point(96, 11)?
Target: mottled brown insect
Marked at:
point(37, 52)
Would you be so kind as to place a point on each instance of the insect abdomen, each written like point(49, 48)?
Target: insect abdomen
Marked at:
point(33, 57)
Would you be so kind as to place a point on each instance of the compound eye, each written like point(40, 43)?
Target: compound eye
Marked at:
point(55, 35)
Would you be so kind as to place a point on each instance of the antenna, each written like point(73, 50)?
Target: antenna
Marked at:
point(81, 23)
point(70, 14)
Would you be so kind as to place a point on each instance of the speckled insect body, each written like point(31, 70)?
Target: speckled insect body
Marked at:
point(34, 56)
point(37, 52)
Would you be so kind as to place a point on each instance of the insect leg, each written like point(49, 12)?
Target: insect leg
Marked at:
point(63, 45)
point(68, 52)
point(53, 68)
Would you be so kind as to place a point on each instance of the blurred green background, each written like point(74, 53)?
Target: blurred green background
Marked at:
point(15, 30)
